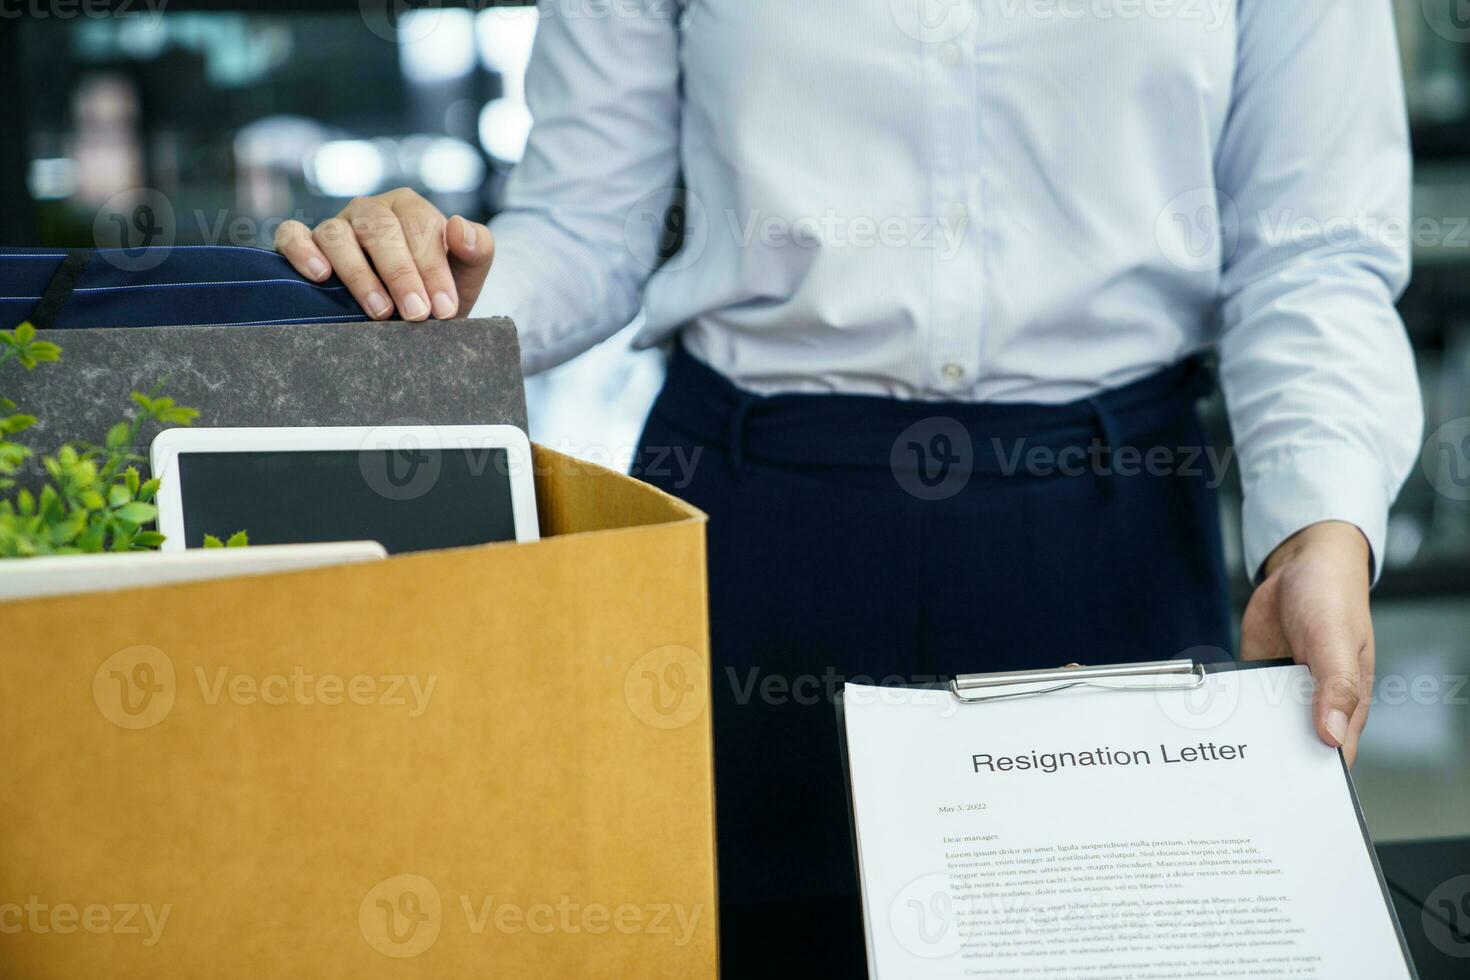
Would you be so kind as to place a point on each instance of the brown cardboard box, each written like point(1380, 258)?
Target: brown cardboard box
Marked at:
point(486, 762)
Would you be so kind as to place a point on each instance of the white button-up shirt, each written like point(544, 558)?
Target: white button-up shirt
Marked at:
point(992, 200)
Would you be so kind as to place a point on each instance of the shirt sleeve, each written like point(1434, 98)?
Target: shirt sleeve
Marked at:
point(584, 211)
point(1313, 172)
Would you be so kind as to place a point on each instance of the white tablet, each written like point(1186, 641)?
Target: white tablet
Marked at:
point(32, 578)
point(413, 487)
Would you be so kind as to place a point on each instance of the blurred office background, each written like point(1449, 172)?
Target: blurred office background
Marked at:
point(237, 115)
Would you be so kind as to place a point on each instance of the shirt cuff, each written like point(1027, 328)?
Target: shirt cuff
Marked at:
point(1290, 492)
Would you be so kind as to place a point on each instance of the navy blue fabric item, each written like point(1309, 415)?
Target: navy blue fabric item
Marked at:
point(181, 285)
point(824, 567)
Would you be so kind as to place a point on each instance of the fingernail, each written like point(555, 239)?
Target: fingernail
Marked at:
point(317, 269)
point(378, 305)
point(469, 234)
point(414, 307)
point(444, 307)
point(1337, 726)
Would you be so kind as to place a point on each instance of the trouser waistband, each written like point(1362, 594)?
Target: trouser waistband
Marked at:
point(912, 437)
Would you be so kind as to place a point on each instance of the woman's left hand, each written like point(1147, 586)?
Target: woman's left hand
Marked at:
point(1313, 607)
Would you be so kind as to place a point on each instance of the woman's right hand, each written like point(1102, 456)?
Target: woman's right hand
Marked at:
point(395, 251)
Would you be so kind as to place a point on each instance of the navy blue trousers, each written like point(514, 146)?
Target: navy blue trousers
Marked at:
point(863, 538)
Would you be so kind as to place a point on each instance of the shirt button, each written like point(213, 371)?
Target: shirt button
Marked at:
point(953, 373)
point(949, 54)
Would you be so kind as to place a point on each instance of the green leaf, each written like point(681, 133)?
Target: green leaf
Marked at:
point(44, 350)
point(50, 501)
point(92, 540)
point(118, 494)
point(136, 512)
point(148, 489)
point(26, 349)
point(119, 436)
point(92, 500)
point(148, 540)
point(12, 455)
point(238, 540)
point(210, 541)
point(12, 424)
point(130, 480)
point(70, 529)
point(179, 415)
point(84, 473)
point(25, 503)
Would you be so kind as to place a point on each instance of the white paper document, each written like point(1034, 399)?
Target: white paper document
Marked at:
point(1094, 834)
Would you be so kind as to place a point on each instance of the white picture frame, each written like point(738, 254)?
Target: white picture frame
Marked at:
point(170, 444)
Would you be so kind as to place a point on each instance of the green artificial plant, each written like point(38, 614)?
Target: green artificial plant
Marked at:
point(93, 499)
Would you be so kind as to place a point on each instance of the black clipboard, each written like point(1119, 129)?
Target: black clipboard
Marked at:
point(972, 690)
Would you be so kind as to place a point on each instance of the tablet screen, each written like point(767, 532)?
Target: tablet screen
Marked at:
point(406, 499)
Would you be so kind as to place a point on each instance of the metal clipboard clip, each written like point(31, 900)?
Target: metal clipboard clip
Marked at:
point(1156, 675)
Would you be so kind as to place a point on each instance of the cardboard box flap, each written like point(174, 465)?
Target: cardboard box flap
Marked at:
point(603, 500)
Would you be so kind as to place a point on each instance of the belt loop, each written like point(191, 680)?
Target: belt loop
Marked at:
point(1201, 381)
point(1108, 426)
point(735, 434)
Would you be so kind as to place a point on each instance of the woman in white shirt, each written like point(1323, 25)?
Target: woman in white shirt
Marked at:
point(946, 268)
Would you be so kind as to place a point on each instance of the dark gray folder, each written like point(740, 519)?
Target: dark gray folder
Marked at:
point(455, 372)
